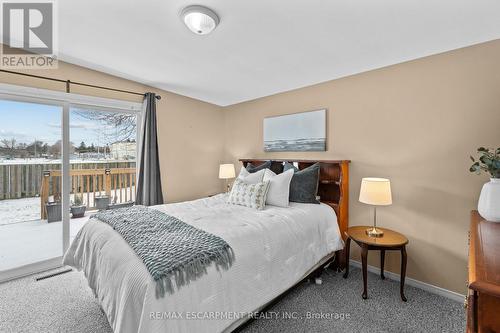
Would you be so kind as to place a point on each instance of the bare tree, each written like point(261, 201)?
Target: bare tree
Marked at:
point(10, 146)
point(55, 149)
point(125, 125)
point(9, 143)
point(35, 148)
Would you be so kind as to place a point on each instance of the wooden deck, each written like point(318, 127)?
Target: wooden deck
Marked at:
point(24, 179)
point(118, 184)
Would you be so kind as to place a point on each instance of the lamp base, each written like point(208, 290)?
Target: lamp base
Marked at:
point(374, 232)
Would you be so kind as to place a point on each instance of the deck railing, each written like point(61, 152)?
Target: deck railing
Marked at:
point(24, 180)
point(116, 183)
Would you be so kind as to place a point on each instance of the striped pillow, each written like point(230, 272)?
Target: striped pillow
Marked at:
point(249, 195)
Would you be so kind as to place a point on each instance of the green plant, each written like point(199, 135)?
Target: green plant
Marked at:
point(489, 161)
point(77, 200)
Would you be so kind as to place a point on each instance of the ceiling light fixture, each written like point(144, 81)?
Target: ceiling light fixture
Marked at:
point(200, 20)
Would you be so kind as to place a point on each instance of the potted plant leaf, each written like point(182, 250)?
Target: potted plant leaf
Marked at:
point(489, 199)
point(77, 206)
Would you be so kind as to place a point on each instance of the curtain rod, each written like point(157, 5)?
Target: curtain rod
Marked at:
point(69, 83)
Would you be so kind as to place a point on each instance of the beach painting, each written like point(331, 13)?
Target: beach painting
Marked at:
point(305, 131)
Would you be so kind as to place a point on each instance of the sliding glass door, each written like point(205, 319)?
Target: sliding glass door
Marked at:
point(60, 160)
point(31, 214)
point(102, 160)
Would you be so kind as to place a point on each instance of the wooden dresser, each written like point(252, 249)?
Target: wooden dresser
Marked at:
point(483, 299)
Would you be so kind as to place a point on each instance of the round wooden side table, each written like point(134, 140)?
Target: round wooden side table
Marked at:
point(391, 240)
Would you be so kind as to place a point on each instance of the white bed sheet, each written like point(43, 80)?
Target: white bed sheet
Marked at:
point(274, 248)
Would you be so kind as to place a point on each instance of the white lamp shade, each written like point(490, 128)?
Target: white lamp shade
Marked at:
point(375, 191)
point(226, 171)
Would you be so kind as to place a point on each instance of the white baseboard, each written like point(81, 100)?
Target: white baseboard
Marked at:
point(414, 283)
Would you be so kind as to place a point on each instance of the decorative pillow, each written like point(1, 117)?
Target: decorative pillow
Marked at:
point(251, 178)
point(243, 173)
point(279, 187)
point(249, 195)
point(288, 166)
point(304, 184)
point(251, 168)
point(276, 167)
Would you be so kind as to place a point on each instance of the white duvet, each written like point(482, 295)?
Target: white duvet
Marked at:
point(274, 248)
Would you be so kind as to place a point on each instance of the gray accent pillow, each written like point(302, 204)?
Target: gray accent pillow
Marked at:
point(251, 168)
point(276, 167)
point(304, 184)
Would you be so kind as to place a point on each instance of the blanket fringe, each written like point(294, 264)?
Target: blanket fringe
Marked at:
point(160, 240)
point(223, 258)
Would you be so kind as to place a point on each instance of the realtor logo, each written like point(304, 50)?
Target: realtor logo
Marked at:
point(28, 35)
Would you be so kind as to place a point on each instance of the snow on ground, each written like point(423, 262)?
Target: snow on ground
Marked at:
point(14, 211)
point(30, 242)
point(19, 210)
point(26, 239)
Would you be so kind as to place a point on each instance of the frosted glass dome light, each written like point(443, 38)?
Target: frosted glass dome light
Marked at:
point(199, 19)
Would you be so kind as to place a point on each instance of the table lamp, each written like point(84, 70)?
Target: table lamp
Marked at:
point(375, 192)
point(226, 171)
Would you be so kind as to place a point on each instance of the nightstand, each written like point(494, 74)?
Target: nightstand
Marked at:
point(391, 240)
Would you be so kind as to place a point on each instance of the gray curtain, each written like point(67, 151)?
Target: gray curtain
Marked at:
point(148, 181)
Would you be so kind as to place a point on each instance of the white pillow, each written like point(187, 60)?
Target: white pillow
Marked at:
point(251, 178)
point(243, 173)
point(249, 195)
point(279, 187)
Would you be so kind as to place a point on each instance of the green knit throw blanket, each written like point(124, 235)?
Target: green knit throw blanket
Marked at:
point(171, 249)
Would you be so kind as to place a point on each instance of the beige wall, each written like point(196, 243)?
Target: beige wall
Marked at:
point(190, 132)
point(415, 123)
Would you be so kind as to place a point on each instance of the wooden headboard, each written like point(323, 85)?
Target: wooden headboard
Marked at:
point(333, 187)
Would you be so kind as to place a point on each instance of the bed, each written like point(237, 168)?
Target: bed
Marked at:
point(275, 248)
